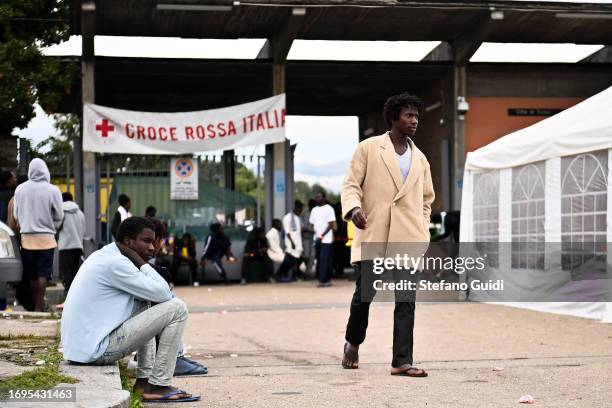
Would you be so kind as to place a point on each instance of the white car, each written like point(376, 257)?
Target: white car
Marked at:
point(11, 268)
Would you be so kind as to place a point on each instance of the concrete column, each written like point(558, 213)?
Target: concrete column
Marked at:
point(87, 172)
point(269, 185)
point(77, 157)
point(278, 79)
point(279, 181)
point(371, 124)
point(458, 141)
point(289, 175)
point(90, 172)
point(229, 170)
point(23, 156)
point(445, 172)
point(229, 175)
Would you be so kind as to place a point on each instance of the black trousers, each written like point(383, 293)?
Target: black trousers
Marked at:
point(249, 261)
point(403, 324)
point(69, 262)
point(324, 261)
point(289, 262)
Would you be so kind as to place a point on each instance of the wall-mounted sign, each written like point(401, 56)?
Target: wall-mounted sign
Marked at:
point(533, 111)
point(184, 177)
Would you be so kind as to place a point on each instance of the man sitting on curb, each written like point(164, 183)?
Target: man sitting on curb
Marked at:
point(107, 315)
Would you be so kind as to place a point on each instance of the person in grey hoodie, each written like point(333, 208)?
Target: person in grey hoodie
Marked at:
point(38, 210)
point(70, 241)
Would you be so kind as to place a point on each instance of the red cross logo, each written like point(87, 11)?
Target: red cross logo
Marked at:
point(105, 128)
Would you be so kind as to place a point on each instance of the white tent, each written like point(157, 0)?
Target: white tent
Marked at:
point(548, 183)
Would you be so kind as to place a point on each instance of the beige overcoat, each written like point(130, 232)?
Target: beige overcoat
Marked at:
point(397, 211)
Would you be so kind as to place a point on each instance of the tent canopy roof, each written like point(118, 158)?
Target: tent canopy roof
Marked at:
point(584, 127)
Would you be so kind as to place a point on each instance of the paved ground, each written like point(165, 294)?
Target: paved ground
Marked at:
point(279, 346)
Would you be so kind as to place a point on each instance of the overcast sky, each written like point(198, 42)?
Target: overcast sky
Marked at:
point(338, 134)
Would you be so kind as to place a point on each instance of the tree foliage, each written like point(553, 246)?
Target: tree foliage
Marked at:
point(304, 192)
point(56, 150)
point(246, 181)
point(26, 76)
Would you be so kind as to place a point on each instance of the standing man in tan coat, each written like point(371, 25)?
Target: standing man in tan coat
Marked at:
point(387, 194)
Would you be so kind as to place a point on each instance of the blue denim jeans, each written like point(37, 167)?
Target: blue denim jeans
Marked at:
point(138, 333)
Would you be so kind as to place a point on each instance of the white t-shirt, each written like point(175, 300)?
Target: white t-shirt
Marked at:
point(295, 229)
point(125, 214)
point(275, 252)
point(405, 161)
point(320, 217)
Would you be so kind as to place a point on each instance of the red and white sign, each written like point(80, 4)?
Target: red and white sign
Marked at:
point(109, 130)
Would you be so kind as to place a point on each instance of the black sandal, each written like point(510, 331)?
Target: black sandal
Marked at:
point(350, 361)
point(409, 371)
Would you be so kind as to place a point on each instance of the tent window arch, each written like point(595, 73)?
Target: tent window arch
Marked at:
point(528, 193)
point(583, 208)
point(486, 214)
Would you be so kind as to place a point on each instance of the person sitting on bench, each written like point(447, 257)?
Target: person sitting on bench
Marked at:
point(107, 313)
point(185, 254)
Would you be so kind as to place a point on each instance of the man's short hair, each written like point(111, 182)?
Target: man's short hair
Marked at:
point(131, 227)
point(123, 200)
point(67, 196)
point(150, 211)
point(298, 204)
point(215, 227)
point(394, 105)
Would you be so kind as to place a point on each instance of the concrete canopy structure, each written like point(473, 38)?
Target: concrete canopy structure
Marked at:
point(339, 88)
point(390, 20)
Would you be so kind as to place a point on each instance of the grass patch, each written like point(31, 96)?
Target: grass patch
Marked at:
point(126, 384)
point(22, 337)
point(42, 378)
point(24, 350)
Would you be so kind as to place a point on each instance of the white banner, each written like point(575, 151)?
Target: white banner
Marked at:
point(109, 130)
point(184, 177)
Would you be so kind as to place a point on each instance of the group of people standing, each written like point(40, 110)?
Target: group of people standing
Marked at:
point(44, 220)
point(294, 243)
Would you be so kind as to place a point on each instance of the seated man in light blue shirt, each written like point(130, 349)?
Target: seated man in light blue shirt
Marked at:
point(107, 313)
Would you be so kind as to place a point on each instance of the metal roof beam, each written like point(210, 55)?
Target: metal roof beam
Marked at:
point(603, 55)
point(277, 48)
point(442, 53)
point(467, 43)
